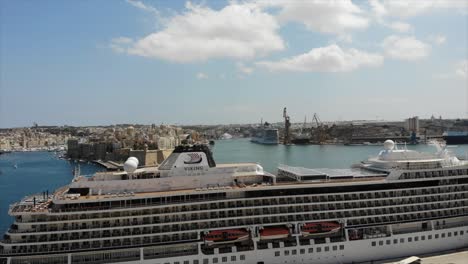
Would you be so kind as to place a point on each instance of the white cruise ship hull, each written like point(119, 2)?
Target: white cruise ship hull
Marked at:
point(377, 249)
point(356, 251)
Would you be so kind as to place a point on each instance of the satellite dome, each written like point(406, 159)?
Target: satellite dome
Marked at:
point(133, 158)
point(131, 165)
point(389, 144)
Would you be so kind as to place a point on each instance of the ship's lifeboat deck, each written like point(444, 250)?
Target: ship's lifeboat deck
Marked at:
point(226, 236)
point(274, 232)
point(320, 228)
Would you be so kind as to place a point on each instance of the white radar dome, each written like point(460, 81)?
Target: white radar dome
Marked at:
point(133, 158)
point(389, 144)
point(131, 165)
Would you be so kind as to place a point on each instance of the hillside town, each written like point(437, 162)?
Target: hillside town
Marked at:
point(110, 146)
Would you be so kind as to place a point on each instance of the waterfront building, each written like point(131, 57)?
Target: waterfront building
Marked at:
point(100, 150)
point(412, 124)
point(73, 150)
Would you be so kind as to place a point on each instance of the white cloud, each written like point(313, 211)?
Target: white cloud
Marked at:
point(119, 44)
point(241, 31)
point(332, 17)
point(405, 48)
point(201, 76)
point(325, 59)
point(462, 69)
point(437, 39)
point(401, 27)
point(142, 6)
point(244, 69)
point(409, 8)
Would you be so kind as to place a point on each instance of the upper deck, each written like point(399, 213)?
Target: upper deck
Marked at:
point(194, 174)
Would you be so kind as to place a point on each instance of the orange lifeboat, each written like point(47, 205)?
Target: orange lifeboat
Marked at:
point(274, 232)
point(226, 236)
point(320, 228)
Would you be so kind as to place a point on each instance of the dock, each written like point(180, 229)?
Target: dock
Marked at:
point(453, 257)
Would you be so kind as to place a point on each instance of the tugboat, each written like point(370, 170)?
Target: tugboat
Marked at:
point(226, 236)
point(320, 228)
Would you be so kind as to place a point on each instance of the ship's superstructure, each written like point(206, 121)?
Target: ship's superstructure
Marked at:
point(192, 211)
point(266, 135)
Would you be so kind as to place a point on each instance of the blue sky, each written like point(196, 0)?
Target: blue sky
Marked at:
point(179, 62)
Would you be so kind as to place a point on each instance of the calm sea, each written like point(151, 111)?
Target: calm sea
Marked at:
point(41, 171)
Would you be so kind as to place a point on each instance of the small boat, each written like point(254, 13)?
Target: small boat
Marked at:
point(15, 166)
point(274, 232)
point(226, 236)
point(320, 228)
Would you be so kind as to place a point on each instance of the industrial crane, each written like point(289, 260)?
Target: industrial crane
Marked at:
point(320, 130)
point(287, 125)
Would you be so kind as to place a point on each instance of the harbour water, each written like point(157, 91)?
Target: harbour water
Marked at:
point(36, 172)
point(40, 171)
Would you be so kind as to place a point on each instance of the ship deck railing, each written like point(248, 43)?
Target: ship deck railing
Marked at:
point(84, 216)
point(43, 249)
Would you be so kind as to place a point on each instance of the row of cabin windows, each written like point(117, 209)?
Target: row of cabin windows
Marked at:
point(254, 202)
point(156, 219)
point(254, 220)
point(309, 250)
point(248, 194)
point(207, 261)
point(430, 174)
point(417, 238)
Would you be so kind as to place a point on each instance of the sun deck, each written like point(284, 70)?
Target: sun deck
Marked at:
point(321, 175)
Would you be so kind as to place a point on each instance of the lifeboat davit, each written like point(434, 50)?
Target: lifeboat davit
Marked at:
point(320, 228)
point(226, 236)
point(274, 232)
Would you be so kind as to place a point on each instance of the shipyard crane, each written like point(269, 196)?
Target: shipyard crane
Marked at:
point(287, 125)
point(318, 123)
point(320, 129)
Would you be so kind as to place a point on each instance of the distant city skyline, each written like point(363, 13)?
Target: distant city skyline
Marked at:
point(84, 63)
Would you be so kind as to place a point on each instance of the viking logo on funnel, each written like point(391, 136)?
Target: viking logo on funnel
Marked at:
point(193, 158)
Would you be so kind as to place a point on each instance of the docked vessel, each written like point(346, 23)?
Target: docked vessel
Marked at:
point(303, 137)
point(300, 139)
point(191, 210)
point(455, 137)
point(266, 135)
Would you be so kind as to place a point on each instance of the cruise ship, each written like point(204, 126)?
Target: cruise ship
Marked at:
point(191, 210)
point(455, 137)
point(266, 135)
